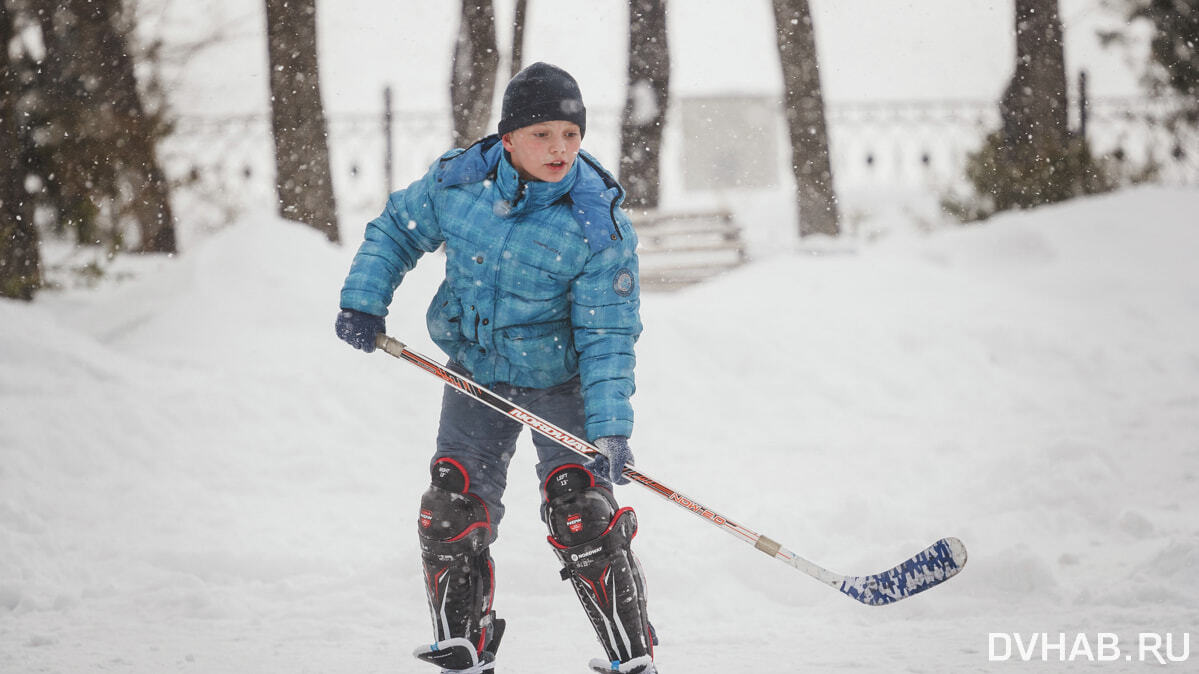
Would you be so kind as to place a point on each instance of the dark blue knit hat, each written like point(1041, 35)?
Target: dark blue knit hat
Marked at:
point(542, 93)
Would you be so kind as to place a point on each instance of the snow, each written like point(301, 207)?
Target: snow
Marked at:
point(197, 476)
point(645, 103)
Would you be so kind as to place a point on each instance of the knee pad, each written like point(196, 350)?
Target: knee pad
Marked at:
point(453, 520)
point(454, 531)
point(592, 537)
point(577, 509)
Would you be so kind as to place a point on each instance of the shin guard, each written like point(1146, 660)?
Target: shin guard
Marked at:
point(454, 533)
point(592, 538)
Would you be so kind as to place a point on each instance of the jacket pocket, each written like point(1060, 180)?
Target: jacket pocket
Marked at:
point(444, 320)
point(543, 347)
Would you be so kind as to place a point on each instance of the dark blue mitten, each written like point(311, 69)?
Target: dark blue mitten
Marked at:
point(358, 329)
point(611, 463)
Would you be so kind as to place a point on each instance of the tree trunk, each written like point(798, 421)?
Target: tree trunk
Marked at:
point(646, 102)
point(95, 144)
point(804, 105)
point(65, 148)
point(473, 73)
point(20, 261)
point(303, 180)
point(518, 38)
point(1036, 146)
point(150, 203)
point(1034, 105)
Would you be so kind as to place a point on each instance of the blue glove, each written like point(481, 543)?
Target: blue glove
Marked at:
point(359, 329)
point(616, 454)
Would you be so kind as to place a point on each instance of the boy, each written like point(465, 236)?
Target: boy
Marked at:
point(540, 304)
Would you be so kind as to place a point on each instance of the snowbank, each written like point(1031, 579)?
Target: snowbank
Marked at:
point(195, 475)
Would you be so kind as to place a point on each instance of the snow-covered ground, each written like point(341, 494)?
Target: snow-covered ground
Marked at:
point(196, 476)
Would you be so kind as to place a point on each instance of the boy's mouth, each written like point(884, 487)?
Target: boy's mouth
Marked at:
point(556, 164)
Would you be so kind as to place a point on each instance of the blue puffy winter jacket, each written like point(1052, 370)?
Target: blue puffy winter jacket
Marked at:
point(541, 278)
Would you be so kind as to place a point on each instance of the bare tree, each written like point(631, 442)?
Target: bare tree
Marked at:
point(472, 80)
point(1033, 158)
point(648, 96)
point(803, 101)
point(518, 37)
point(20, 260)
point(93, 143)
point(303, 178)
point(63, 150)
point(151, 203)
point(1034, 104)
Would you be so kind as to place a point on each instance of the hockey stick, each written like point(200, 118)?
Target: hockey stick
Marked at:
point(929, 567)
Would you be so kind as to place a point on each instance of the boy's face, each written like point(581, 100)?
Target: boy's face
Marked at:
point(544, 151)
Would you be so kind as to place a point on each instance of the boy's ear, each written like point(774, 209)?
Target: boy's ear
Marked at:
point(507, 140)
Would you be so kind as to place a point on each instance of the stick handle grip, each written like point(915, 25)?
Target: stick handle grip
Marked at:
point(389, 344)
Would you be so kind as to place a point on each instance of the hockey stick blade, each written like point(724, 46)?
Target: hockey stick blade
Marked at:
point(932, 566)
